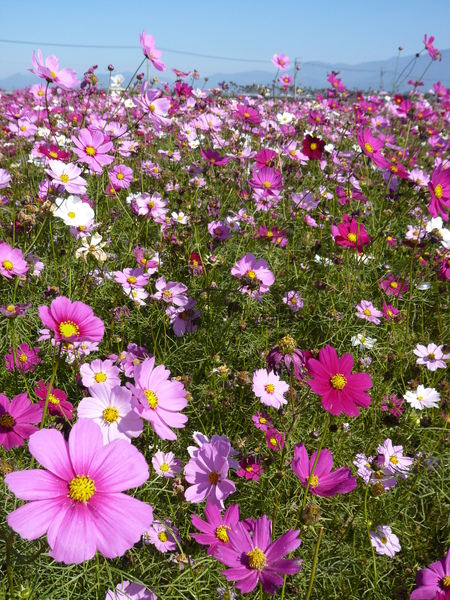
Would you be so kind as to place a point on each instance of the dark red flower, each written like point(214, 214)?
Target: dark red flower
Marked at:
point(313, 147)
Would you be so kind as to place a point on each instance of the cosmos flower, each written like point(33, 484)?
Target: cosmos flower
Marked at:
point(423, 397)
point(24, 359)
point(67, 175)
point(164, 536)
point(384, 541)
point(57, 400)
point(323, 481)
point(77, 498)
point(166, 465)
point(147, 42)
point(214, 531)
point(431, 356)
point(66, 79)
point(73, 211)
point(434, 581)
point(11, 261)
point(130, 591)
point(255, 558)
point(394, 286)
point(18, 419)
point(341, 390)
point(92, 148)
point(255, 274)
point(269, 388)
point(350, 234)
point(281, 61)
point(367, 311)
point(72, 321)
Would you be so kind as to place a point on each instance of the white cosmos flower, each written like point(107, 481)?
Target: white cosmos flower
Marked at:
point(73, 211)
point(363, 342)
point(94, 246)
point(423, 398)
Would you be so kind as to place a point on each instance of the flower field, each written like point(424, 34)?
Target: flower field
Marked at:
point(225, 338)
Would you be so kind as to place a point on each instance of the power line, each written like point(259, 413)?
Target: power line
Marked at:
point(37, 44)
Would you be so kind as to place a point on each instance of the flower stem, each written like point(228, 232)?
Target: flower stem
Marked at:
point(8, 566)
point(315, 461)
point(314, 565)
point(368, 533)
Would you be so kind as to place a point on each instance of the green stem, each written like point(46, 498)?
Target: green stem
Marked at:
point(8, 567)
point(366, 518)
point(50, 386)
point(314, 565)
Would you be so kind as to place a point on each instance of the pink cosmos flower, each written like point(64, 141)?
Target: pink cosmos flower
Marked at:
point(389, 311)
point(367, 311)
point(322, 482)
point(91, 148)
point(151, 206)
point(66, 79)
point(214, 157)
point(394, 286)
point(163, 536)
point(266, 179)
point(5, 179)
point(58, 405)
point(269, 388)
point(262, 421)
point(67, 175)
point(274, 440)
point(341, 390)
point(439, 188)
point(431, 356)
point(72, 321)
point(131, 278)
point(113, 409)
point(130, 591)
point(208, 472)
point(255, 274)
point(148, 48)
point(219, 230)
point(166, 465)
point(248, 115)
point(183, 319)
point(77, 498)
point(432, 51)
point(23, 128)
point(18, 420)
point(281, 61)
point(250, 468)
point(256, 559)
point(384, 541)
point(101, 372)
point(394, 459)
point(368, 143)
point(293, 300)
point(434, 581)
point(350, 234)
point(121, 176)
point(24, 360)
point(12, 261)
point(215, 528)
point(374, 470)
point(160, 399)
point(171, 292)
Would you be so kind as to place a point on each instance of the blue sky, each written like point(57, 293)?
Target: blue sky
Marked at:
point(325, 30)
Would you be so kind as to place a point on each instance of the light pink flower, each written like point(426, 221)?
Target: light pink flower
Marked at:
point(101, 372)
point(269, 388)
point(67, 175)
point(91, 148)
point(431, 356)
point(50, 71)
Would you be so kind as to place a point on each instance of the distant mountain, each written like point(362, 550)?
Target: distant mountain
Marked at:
point(362, 76)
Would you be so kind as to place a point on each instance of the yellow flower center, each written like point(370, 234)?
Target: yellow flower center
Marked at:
point(7, 421)
point(152, 398)
point(11, 308)
point(420, 398)
point(362, 340)
point(446, 582)
point(132, 279)
point(81, 488)
point(438, 191)
point(431, 356)
point(110, 414)
point(313, 481)
point(383, 540)
point(262, 420)
point(162, 536)
point(64, 178)
point(270, 388)
point(368, 147)
point(338, 381)
point(120, 176)
point(394, 460)
point(213, 477)
point(389, 313)
point(249, 469)
point(7, 264)
point(352, 238)
point(23, 128)
point(269, 234)
point(71, 215)
point(367, 312)
point(221, 533)
point(68, 329)
point(23, 357)
point(167, 294)
point(251, 274)
point(164, 467)
point(266, 184)
point(53, 399)
point(100, 377)
point(394, 285)
point(40, 93)
point(257, 559)
point(313, 146)
point(90, 150)
point(52, 74)
point(273, 442)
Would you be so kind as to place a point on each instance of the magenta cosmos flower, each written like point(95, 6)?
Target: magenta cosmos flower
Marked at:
point(77, 499)
point(24, 360)
point(433, 580)
point(368, 143)
point(72, 321)
point(66, 79)
point(121, 176)
point(322, 482)
point(269, 388)
point(17, 420)
point(281, 61)
point(394, 286)
point(254, 559)
point(350, 234)
point(160, 399)
point(58, 405)
point(208, 472)
point(91, 148)
point(266, 179)
point(439, 188)
point(215, 529)
point(12, 261)
point(341, 390)
point(147, 42)
point(67, 175)
point(254, 273)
